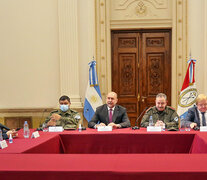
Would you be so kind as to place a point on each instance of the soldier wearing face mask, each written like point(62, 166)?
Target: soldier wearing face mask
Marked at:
point(65, 117)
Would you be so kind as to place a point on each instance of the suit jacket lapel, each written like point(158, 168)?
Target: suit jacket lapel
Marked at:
point(106, 113)
point(115, 114)
point(197, 116)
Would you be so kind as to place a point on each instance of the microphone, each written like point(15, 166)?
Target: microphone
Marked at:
point(77, 116)
point(40, 128)
point(136, 127)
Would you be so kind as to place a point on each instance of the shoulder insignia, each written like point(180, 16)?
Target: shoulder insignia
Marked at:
point(149, 109)
point(77, 116)
point(176, 119)
point(73, 111)
point(170, 107)
point(54, 111)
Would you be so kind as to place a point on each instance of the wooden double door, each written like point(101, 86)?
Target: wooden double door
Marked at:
point(141, 68)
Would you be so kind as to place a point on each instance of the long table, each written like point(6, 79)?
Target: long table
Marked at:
point(120, 154)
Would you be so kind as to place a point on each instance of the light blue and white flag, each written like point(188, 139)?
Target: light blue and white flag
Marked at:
point(93, 94)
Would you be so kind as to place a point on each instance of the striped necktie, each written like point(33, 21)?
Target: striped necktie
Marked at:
point(203, 118)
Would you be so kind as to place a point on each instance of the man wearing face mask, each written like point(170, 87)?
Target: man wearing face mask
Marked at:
point(65, 117)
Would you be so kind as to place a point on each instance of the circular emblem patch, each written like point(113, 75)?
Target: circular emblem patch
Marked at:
point(188, 97)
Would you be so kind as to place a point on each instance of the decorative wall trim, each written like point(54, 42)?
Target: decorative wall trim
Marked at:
point(103, 51)
point(69, 60)
point(179, 47)
point(205, 43)
point(33, 110)
point(142, 23)
point(38, 110)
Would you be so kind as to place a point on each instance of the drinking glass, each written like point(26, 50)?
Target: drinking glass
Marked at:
point(44, 127)
point(187, 127)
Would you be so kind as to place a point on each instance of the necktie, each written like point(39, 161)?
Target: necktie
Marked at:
point(203, 119)
point(110, 115)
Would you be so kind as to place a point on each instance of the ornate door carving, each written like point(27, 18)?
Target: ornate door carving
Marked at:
point(141, 68)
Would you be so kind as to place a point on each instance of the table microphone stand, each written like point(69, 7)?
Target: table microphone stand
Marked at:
point(136, 122)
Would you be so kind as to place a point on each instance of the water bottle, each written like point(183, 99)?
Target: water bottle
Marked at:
point(151, 121)
point(1, 138)
point(26, 130)
point(79, 128)
point(163, 127)
point(10, 138)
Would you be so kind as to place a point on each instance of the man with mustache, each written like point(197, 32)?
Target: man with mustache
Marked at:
point(162, 114)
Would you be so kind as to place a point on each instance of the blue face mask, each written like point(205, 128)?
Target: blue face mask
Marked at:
point(64, 107)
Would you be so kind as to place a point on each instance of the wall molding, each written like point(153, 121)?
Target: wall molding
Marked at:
point(68, 47)
point(34, 110)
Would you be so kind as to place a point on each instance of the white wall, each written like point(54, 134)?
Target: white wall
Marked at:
point(29, 57)
point(197, 40)
point(30, 49)
point(37, 56)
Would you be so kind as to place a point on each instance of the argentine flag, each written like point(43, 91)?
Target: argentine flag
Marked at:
point(93, 94)
point(188, 92)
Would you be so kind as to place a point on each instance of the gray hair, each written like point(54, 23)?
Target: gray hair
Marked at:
point(160, 95)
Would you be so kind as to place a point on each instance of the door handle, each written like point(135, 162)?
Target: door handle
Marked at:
point(138, 97)
point(143, 98)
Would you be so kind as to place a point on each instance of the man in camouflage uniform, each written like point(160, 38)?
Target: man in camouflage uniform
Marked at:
point(161, 114)
point(65, 117)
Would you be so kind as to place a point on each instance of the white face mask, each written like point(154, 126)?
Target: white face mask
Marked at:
point(64, 107)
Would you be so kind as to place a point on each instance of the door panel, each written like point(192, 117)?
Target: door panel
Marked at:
point(155, 67)
point(141, 68)
point(127, 83)
point(124, 71)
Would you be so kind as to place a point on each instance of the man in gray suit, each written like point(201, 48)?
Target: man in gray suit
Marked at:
point(110, 114)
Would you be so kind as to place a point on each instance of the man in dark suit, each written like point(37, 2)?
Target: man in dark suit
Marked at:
point(110, 114)
point(197, 115)
point(6, 132)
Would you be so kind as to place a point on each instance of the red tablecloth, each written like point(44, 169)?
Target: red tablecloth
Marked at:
point(103, 166)
point(120, 154)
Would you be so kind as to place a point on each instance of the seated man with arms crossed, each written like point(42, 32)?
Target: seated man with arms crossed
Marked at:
point(197, 115)
point(110, 114)
point(65, 117)
point(161, 114)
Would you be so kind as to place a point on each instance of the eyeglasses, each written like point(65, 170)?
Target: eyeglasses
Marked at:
point(202, 105)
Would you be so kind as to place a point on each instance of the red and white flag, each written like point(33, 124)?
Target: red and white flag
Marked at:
point(188, 92)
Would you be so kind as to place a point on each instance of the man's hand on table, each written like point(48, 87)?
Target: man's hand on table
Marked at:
point(13, 132)
point(159, 123)
point(192, 125)
point(52, 122)
point(114, 126)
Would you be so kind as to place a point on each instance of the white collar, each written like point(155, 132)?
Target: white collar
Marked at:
point(111, 108)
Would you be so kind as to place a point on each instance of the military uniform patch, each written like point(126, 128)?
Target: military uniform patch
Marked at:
point(176, 119)
point(77, 116)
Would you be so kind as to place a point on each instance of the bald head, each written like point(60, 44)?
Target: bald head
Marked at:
point(111, 99)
